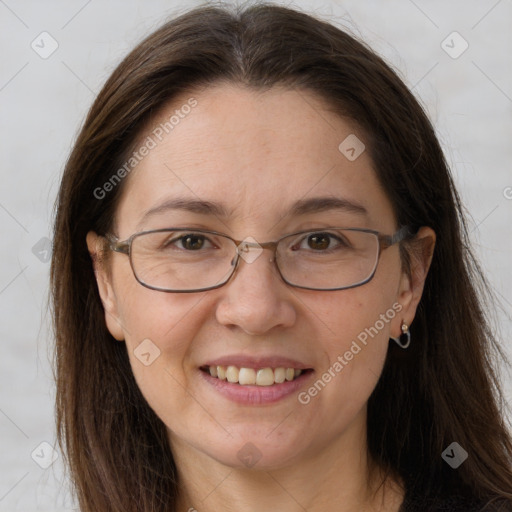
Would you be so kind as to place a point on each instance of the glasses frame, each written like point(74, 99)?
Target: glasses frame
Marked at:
point(384, 242)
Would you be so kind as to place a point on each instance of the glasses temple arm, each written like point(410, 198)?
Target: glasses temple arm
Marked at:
point(115, 245)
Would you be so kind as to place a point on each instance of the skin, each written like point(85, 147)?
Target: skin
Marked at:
point(258, 152)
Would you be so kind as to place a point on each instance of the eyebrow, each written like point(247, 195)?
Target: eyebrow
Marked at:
point(323, 204)
point(300, 207)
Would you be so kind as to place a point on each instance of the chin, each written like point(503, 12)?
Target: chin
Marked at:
point(256, 450)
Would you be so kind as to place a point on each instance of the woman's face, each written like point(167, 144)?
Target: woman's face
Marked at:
point(256, 154)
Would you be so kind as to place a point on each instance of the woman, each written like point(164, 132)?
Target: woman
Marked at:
point(262, 288)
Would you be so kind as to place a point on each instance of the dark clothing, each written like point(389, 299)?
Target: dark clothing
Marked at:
point(451, 504)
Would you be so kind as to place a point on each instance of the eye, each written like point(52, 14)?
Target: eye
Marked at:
point(322, 241)
point(190, 242)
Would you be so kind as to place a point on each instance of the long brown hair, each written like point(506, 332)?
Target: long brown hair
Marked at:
point(443, 389)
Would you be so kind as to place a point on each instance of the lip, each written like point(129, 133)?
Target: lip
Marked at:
point(243, 361)
point(256, 395)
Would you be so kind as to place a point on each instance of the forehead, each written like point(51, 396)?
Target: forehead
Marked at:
point(254, 152)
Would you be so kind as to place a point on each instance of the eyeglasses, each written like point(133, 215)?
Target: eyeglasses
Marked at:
point(191, 260)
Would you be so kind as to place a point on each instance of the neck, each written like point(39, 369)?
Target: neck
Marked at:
point(339, 478)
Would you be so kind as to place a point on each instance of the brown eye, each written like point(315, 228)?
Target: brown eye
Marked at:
point(319, 241)
point(322, 242)
point(192, 242)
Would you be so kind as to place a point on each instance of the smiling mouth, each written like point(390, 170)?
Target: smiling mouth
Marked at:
point(254, 376)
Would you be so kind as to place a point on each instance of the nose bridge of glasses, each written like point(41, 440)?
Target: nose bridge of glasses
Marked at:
point(244, 246)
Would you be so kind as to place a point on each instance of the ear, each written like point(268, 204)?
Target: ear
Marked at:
point(412, 283)
point(95, 245)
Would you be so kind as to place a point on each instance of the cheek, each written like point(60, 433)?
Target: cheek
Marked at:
point(151, 314)
point(356, 330)
point(363, 313)
point(159, 328)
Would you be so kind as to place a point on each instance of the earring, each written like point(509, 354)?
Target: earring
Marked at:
point(404, 340)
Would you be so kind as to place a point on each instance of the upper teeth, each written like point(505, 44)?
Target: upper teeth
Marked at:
point(248, 376)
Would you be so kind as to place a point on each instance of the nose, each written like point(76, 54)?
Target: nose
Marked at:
point(256, 299)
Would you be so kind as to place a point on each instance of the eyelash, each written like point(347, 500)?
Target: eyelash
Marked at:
point(330, 235)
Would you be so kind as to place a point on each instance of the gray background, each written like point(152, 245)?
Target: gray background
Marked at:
point(43, 103)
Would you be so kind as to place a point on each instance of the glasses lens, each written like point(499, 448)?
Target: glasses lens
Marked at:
point(328, 259)
point(182, 260)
